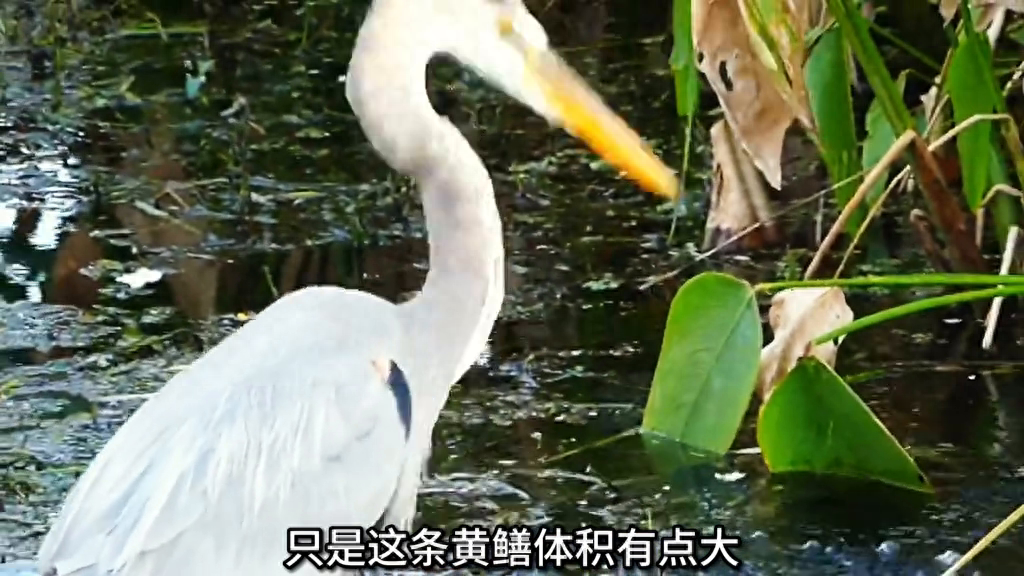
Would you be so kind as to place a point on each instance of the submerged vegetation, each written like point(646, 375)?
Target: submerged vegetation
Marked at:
point(168, 169)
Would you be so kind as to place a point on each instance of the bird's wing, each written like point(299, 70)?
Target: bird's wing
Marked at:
point(300, 418)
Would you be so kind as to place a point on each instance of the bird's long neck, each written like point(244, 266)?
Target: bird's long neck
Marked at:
point(449, 321)
point(447, 324)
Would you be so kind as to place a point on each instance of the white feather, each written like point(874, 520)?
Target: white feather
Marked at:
point(258, 435)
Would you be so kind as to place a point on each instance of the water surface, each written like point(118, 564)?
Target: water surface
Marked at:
point(139, 225)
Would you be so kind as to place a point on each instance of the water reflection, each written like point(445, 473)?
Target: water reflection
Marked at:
point(234, 210)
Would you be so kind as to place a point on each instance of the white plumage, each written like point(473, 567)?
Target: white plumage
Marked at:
point(246, 442)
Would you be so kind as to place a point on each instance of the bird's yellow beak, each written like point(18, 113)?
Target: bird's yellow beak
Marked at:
point(585, 115)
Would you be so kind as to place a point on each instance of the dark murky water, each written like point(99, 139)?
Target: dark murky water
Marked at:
point(138, 226)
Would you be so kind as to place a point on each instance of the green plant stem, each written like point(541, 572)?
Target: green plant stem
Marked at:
point(898, 280)
point(614, 438)
point(684, 70)
point(950, 219)
point(906, 47)
point(918, 306)
point(685, 170)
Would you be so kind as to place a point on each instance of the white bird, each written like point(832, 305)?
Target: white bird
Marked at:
point(319, 412)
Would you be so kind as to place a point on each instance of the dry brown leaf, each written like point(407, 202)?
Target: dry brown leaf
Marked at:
point(810, 14)
point(797, 317)
point(738, 196)
point(948, 8)
point(755, 109)
point(788, 29)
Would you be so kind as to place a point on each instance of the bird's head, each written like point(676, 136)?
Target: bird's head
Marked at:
point(503, 42)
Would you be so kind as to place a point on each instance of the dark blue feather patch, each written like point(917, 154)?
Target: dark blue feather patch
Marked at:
point(403, 397)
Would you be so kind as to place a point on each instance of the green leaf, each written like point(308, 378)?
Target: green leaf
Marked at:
point(683, 61)
point(967, 86)
point(813, 422)
point(880, 139)
point(905, 280)
point(856, 33)
point(827, 76)
point(708, 365)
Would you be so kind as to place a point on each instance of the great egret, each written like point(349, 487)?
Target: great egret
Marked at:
point(319, 411)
